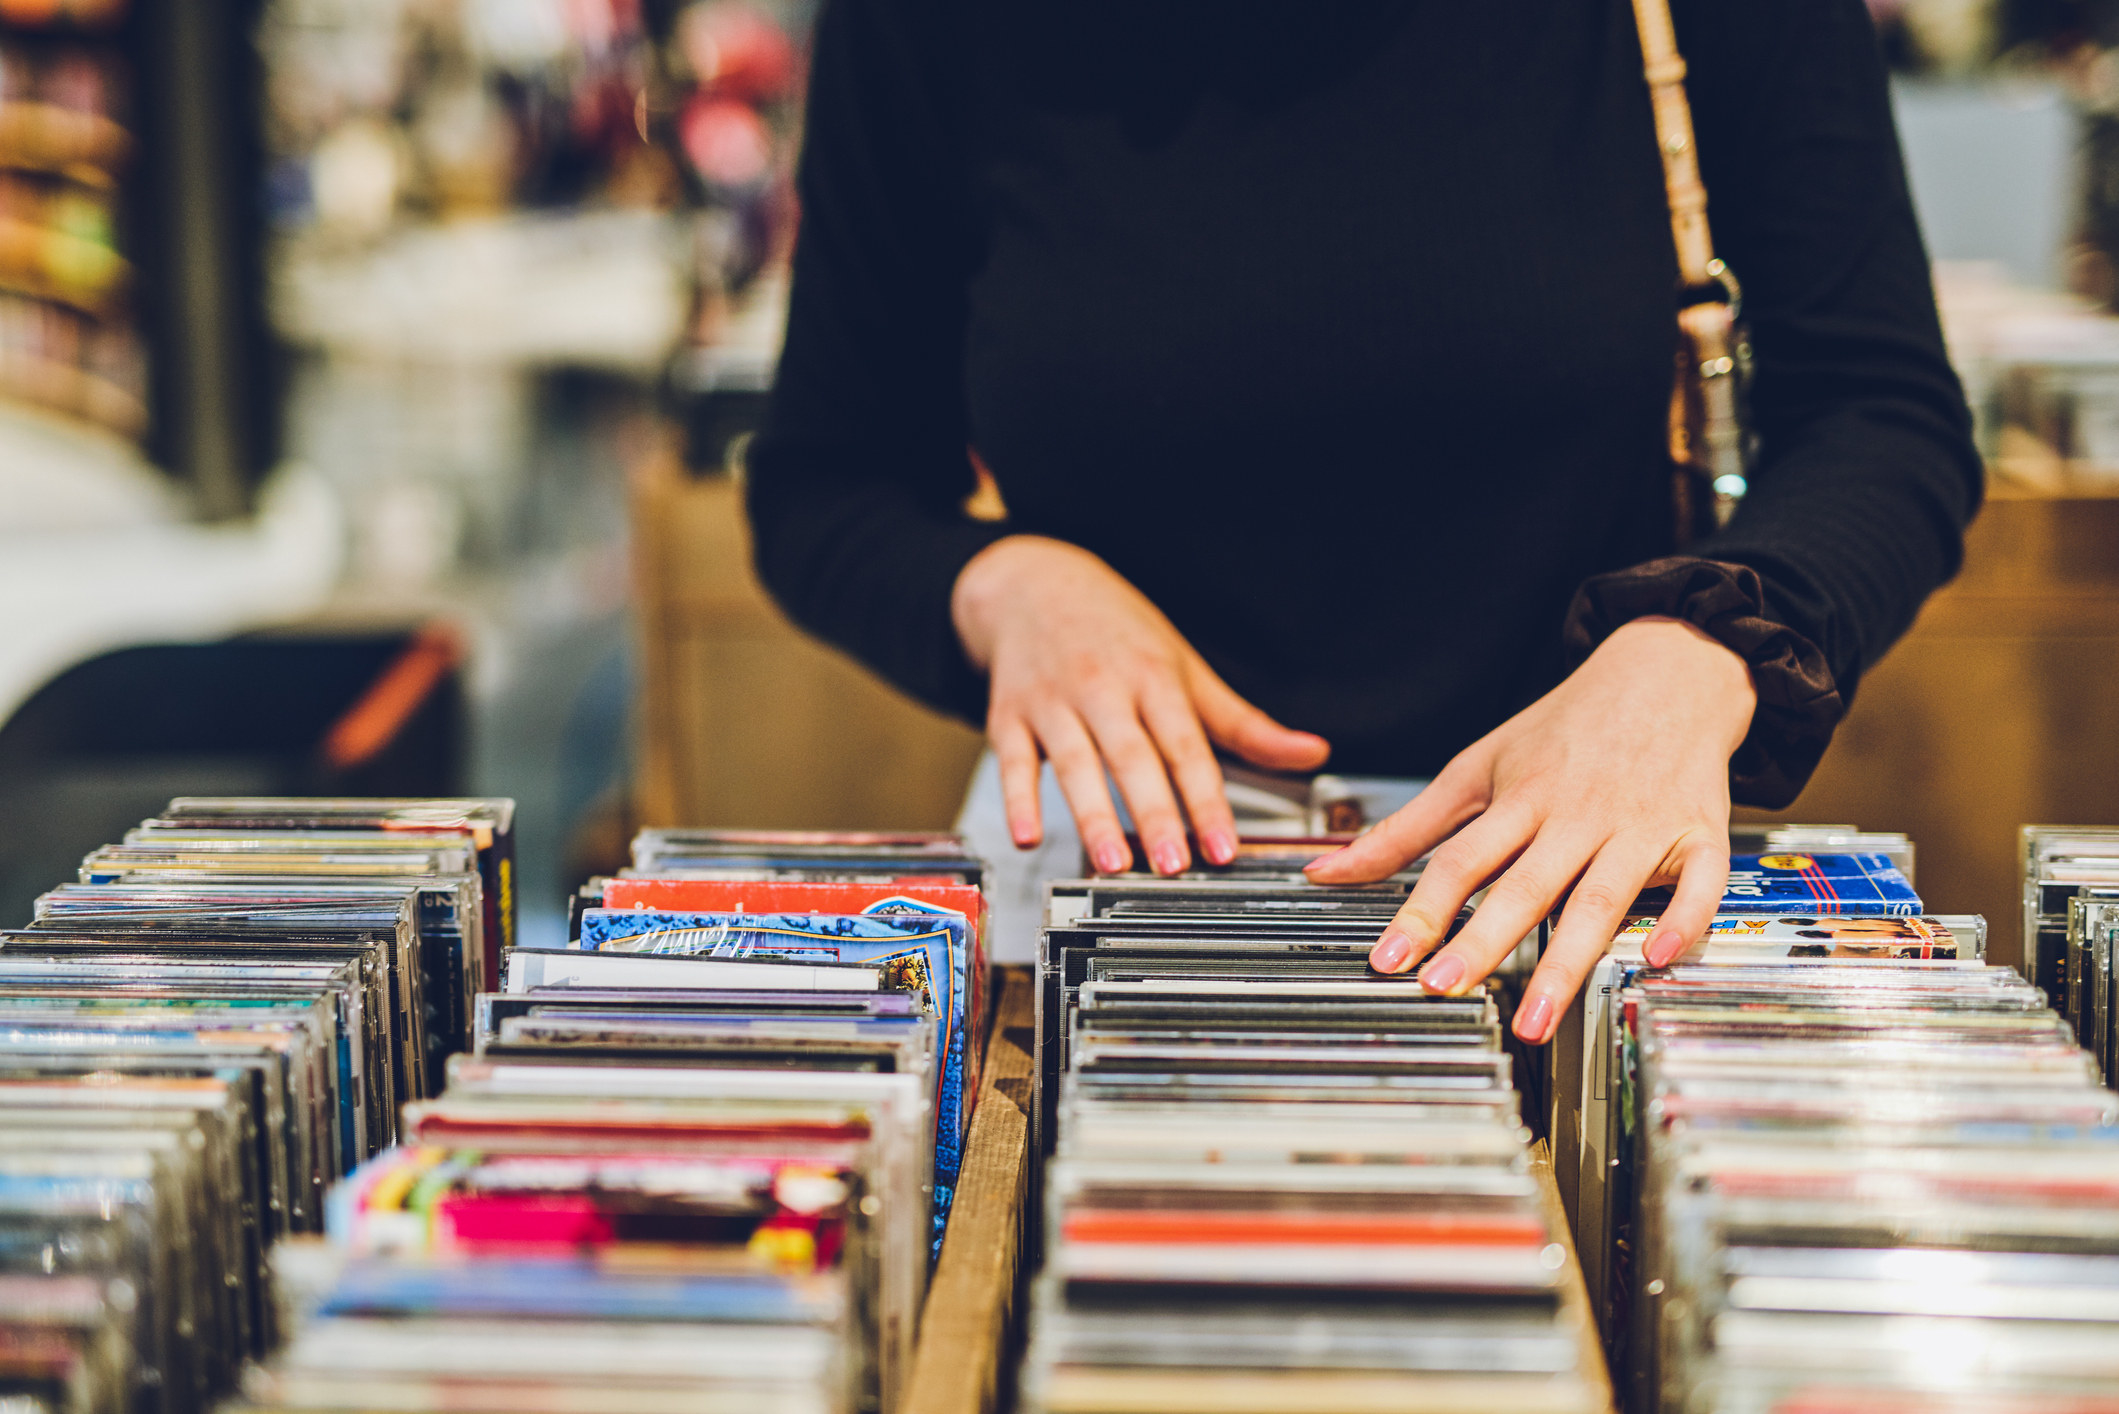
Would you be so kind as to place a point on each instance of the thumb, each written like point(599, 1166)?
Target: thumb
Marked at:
point(1236, 725)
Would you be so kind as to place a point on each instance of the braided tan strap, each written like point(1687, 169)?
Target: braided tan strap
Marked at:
point(1706, 424)
point(1664, 69)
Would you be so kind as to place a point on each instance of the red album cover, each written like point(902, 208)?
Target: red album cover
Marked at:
point(831, 896)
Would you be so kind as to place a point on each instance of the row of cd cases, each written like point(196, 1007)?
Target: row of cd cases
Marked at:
point(1831, 1160)
point(1860, 1184)
point(2071, 928)
point(224, 1013)
point(284, 1122)
point(698, 1160)
point(1274, 1180)
point(1839, 1163)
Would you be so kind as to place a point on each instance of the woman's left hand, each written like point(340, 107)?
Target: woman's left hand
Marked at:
point(1616, 779)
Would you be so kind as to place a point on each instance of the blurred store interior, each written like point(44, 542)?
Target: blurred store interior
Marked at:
point(374, 376)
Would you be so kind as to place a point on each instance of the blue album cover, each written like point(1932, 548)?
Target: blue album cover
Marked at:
point(925, 953)
point(1810, 884)
point(562, 1288)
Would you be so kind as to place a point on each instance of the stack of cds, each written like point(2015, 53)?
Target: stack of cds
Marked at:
point(1898, 849)
point(2070, 918)
point(216, 1021)
point(1778, 906)
point(1278, 1181)
point(698, 1161)
point(702, 1158)
point(911, 905)
point(425, 881)
point(1866, 1184)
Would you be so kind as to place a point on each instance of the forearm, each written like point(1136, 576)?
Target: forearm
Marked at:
point(868, 566)
point(1855, 515)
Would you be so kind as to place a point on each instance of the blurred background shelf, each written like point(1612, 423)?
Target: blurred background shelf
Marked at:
point(1998, 710)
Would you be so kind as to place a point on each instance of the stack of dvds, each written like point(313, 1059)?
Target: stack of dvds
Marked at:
point(699, 1160)
point(220, 1018)
point(1279, 1181)
point(1867, 1184)
point(2070, 915)
point(626, 1227)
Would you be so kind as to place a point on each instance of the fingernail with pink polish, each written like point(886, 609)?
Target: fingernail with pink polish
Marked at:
point(1169, 859)
point(1443, 974)
point(1219, 846)
point(1664, 947)
point(1024, 835)
point(1534, 1022)
point(1110, 859)
point(1324, 859)
point(1391, 953)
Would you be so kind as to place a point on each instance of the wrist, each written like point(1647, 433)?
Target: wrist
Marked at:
point(988, 583)
point(1686, 658)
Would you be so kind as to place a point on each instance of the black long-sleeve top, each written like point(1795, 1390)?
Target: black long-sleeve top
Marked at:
point(1344, 329)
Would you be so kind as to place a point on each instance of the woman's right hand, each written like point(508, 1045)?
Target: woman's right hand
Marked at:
point(1084, 671)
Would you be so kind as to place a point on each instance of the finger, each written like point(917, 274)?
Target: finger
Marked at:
point(1250, 733)
point(1459, 869)
point(1177, 732)
point(1015, 752)
point(1594, 911)
point(1454, 797)
point(1081, 779)
point(1702, 866)
point(1511, 909)
point(1138, 768)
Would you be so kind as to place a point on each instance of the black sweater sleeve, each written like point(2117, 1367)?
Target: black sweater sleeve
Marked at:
point(857, 479)
point(1867, 473)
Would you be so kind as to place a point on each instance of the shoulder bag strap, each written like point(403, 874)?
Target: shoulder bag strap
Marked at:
point(1707, 440)
point(1664, 69)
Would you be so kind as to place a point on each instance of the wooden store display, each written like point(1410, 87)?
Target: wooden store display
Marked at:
point(744, 719)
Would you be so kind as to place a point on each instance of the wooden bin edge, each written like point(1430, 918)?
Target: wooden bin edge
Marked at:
point(967, 1327)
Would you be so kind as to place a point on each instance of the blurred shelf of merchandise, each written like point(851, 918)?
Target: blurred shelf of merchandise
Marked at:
point(2041, 371)
point(339, 318)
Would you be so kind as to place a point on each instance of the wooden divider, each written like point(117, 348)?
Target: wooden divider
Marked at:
point(964, 1361)
point(1574, 1295)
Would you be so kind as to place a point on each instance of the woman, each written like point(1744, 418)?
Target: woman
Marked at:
point(1322, 354)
